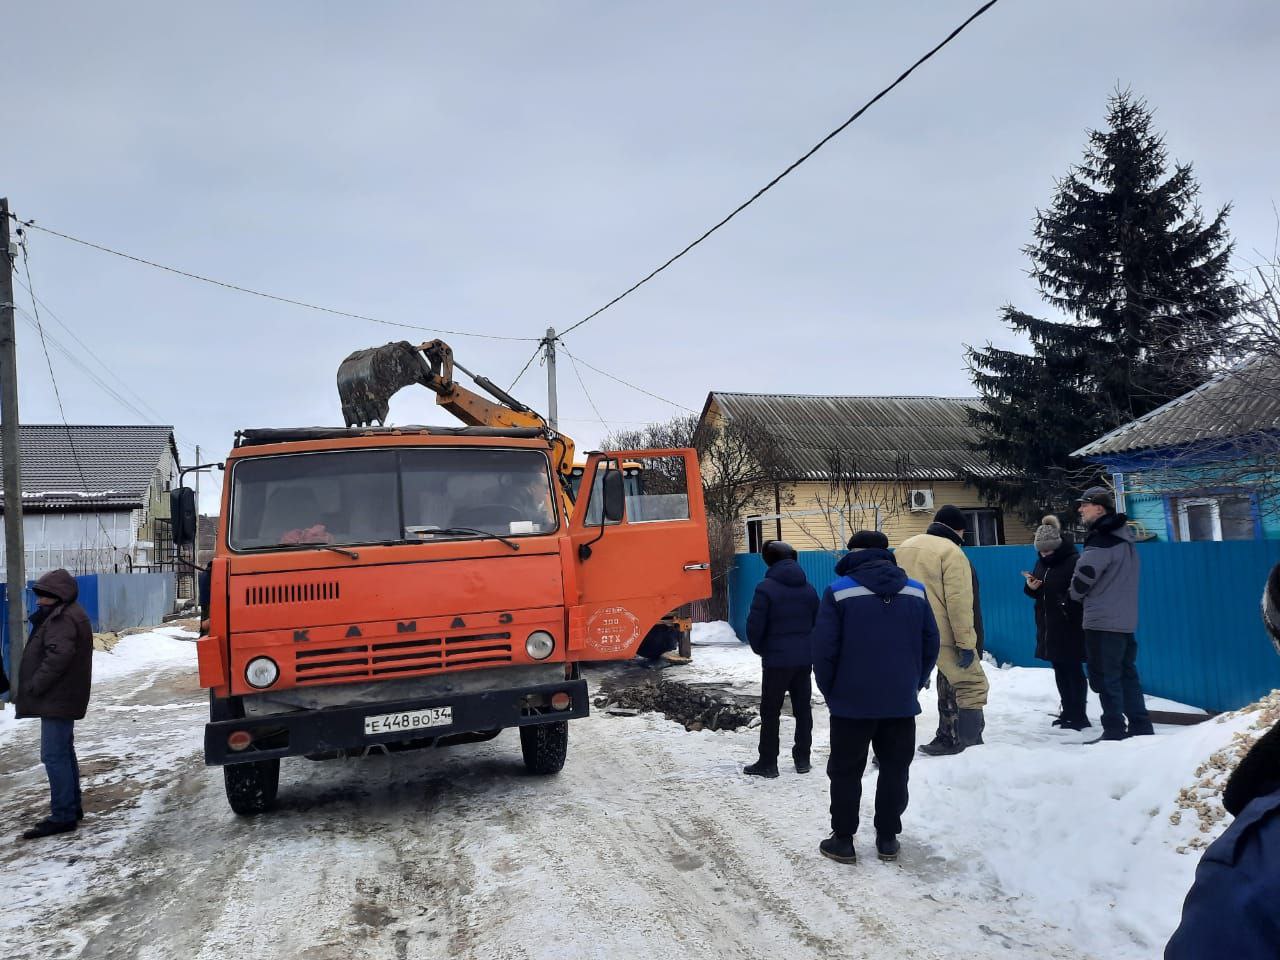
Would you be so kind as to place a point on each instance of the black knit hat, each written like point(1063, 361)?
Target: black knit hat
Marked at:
point(868, 540)
point(952, 517)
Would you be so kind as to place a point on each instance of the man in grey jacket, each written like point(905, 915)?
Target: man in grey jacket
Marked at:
point(1106, 582)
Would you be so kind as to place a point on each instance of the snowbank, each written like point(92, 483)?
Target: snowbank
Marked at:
point(162, 647)
point(1099, 839)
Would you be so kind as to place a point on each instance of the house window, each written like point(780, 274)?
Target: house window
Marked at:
point(755, 534)
point(1214, 518)
point(983, 528)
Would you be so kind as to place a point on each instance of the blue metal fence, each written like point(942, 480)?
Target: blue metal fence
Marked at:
point(1200, 639)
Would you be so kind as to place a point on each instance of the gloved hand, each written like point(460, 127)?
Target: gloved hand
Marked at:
point(964, 658)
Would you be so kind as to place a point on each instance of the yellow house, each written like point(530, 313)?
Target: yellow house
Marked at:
point(852, 463)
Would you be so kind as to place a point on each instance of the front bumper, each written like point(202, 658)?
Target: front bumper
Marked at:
point(332, 729)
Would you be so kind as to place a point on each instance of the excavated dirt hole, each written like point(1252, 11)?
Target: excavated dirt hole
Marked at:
point(696, 707)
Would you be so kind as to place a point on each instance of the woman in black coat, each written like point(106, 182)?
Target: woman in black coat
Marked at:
point(1059, 620)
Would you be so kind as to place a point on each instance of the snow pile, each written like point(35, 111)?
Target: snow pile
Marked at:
point(1204, 797)
point(140, 651)
point(1093, 838)
point(718, 633)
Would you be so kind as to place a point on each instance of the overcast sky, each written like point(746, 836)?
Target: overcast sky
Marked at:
point(504, 167)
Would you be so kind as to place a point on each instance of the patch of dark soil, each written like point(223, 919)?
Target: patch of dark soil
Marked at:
point(695, 706)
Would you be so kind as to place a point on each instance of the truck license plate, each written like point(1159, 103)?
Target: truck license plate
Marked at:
point(408, 721)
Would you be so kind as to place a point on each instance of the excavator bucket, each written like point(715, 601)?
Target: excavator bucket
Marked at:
point(369, 378)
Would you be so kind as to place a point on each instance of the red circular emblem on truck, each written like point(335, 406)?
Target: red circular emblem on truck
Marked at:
point(612, 628)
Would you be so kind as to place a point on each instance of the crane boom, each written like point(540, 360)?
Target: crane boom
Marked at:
point(367, 380)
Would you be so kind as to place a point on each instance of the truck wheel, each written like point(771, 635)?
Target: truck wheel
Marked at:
point(252, 787)
point(544, 746)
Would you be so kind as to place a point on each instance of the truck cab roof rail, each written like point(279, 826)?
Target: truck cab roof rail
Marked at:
point(261, 435)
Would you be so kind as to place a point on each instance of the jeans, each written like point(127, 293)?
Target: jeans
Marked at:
point(58, 754)
point(1073, 689)
point(1113, 673)
point(894, 740)
point(777, 683)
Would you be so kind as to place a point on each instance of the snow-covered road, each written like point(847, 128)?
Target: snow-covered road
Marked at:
point(649, 844)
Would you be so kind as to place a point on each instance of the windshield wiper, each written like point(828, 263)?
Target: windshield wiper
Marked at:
point(342, 550)
point(484, 534)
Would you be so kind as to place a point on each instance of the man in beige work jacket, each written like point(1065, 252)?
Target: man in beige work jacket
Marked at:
point(935, 559)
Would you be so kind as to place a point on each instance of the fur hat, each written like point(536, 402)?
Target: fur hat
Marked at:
point(868, 540)
point(776, 550)
point(1049, 533)
point(950, 516)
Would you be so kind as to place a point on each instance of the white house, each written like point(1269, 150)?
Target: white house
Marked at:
point(95, 498)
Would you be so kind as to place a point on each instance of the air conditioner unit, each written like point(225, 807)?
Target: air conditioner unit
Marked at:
point(920, 500)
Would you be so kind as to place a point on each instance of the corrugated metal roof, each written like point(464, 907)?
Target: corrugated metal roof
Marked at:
point(1236, 403)
point(118, 463)
point(876, 438)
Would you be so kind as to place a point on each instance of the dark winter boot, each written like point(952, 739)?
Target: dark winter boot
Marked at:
point(1142, 729)
point(803, 765)
point(761, 769)
point(971, 725)
point(1076, 723)
point(47, 828)
point(887, 848)
point(941, 747)
point(839, 849)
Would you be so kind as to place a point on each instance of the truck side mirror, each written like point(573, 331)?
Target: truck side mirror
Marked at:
point(615, 497)
point(182, 511)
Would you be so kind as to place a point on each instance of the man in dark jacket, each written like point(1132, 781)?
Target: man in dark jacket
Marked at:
point(53, 684)
point(778, 626)
point(1106, 582)
point(1233, 908)
point(874, 646)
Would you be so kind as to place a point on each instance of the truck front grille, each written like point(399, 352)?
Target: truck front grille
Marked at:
point(366, 660)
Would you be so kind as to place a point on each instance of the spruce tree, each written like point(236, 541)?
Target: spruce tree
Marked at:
point(1143, 286)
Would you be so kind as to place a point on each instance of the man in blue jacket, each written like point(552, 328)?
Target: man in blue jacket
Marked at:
point(1233, 909)
point(778, 626)
point(874, 646)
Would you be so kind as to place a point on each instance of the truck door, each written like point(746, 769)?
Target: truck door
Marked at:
point(625, 575)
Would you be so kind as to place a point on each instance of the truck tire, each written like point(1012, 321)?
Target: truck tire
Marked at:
point(544, 746)
point(252, 787)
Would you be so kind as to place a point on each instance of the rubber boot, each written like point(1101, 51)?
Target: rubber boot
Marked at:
point(971, 725)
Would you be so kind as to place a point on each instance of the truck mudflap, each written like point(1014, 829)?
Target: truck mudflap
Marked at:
point(303, 732)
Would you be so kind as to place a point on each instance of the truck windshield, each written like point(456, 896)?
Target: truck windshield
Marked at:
point(389, 496)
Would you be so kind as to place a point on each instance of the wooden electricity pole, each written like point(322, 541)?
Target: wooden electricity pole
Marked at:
point(15, 578)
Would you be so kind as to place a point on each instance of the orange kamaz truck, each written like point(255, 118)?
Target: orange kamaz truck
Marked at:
point(390, 588)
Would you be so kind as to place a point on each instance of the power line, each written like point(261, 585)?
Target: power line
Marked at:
point(26, 267)
point(624, 382)
point(528, 363)
point(258, 293)
point(577, 373)
point(772, 183)
point(147, 415)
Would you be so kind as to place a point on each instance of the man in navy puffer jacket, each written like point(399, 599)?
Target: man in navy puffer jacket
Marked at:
point(778, 626)
point(874, 645)
point(1233, 909)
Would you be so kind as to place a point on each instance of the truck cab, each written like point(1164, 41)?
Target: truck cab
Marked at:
point(391, 588)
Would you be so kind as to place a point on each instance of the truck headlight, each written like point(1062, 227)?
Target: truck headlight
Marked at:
point(540, 644)
point(261, 672)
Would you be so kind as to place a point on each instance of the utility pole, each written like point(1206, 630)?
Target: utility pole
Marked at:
point(195, 548)
point(13, 546)
point(553, 412)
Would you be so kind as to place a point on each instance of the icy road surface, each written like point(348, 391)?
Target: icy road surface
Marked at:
point(650, 844)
